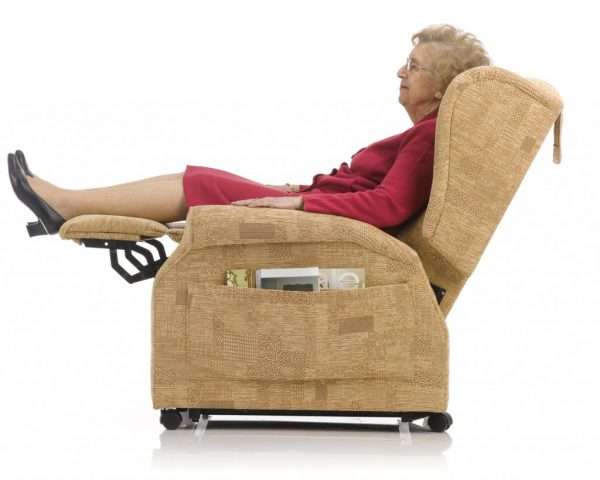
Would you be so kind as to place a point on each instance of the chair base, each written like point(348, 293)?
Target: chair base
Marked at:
point(173, 418)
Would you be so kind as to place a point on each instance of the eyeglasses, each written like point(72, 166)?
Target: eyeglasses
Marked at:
point(411, 66)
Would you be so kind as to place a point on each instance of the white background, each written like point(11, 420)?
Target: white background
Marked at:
point(97, 93)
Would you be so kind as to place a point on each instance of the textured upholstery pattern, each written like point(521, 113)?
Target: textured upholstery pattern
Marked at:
point(384, 348)
point(115, 227)
point(491, 124)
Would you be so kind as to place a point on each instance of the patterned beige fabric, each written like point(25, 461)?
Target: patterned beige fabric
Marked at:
point(491, 124)
point(115, 227)
point(175, 234)
point(382, 348)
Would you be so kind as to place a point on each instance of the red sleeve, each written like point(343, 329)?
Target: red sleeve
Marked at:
point(403, 192)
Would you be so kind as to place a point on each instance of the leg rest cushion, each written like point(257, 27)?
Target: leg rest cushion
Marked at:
point(115, 227)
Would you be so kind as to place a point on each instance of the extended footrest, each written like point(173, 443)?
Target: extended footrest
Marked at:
point(115, 232)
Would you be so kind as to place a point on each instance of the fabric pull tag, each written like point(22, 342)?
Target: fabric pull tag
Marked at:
point(557, 127)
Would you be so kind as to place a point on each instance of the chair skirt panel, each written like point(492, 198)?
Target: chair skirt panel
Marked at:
point(383, 347)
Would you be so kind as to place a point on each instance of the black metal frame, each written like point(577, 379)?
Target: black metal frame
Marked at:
point(144, 272)
point(172, 418)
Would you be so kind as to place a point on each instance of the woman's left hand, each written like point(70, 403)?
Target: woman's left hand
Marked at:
point(291, 203)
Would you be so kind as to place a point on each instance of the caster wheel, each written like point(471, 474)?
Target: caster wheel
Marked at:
point(439, 422)
point(170, 419)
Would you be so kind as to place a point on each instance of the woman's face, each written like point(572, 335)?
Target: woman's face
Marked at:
point(419, 85)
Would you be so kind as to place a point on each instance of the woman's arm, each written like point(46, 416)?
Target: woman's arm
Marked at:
point(402, 193)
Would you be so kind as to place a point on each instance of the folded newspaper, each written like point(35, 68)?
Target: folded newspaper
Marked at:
point(312, 279)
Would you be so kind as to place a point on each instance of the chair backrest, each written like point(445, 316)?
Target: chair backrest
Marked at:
point(490, 125)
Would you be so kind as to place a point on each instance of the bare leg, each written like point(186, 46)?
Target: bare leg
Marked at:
point(158, 178)
point(157, 198)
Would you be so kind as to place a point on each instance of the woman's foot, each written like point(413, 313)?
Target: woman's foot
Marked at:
point(50, 193)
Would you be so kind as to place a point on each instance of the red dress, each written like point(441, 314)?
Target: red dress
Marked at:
point(211, 186)
point(386, 183)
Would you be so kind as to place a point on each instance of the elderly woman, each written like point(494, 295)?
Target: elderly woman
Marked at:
point(386, 183)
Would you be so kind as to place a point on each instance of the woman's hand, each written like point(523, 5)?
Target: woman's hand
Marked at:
point(291, 203)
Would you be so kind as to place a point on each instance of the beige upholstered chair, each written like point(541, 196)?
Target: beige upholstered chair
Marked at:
point(377, 351)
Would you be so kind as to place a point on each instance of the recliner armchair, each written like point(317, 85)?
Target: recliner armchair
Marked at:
point(377, 351)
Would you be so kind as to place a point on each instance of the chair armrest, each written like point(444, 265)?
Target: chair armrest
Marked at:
point(222, 225)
